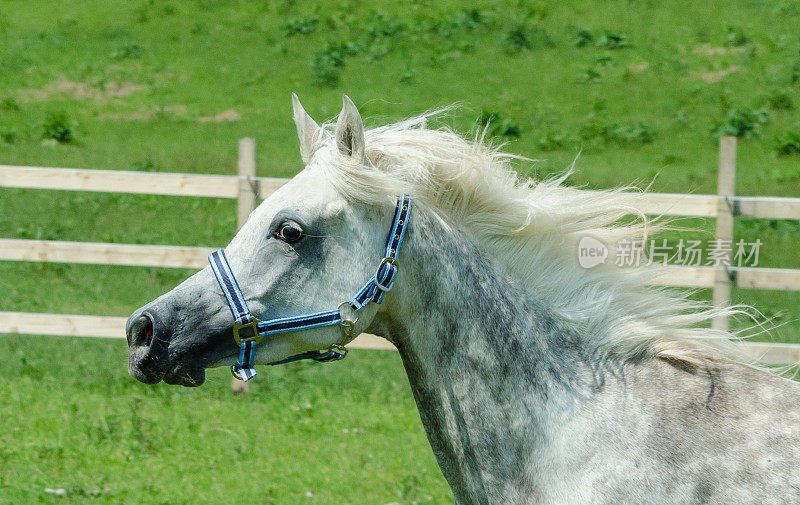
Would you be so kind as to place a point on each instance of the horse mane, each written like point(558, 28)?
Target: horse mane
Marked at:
point(533, 228)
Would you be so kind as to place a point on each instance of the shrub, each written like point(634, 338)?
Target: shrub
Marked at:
point(57, 126)
point(788, 142)
point(741, 123)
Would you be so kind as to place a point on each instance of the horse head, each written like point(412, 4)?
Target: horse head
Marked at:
point(304, 250)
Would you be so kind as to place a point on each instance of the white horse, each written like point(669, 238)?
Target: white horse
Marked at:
point(537, 381)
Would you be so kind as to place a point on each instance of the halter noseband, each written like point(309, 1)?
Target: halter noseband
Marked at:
point(248, 331)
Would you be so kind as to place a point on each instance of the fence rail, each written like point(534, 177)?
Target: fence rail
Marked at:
point(227, 186)
point(121, 181)
point(78, 325)
point(73, 325)
point(167, 256)
point(103, 253)
point(247, 188)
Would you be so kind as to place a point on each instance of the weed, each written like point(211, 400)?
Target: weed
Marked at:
point(328, 63)
point(596, 128)
point(554, 141)
point(741, 123)
point(516, 39)
point(787, 8)
point(581, 37)
point(300, 26)
point(472, 19)
point(780, 100)
point(590, 74)
point(538, 10)
point(7, 137)
point(521, 37)
point(735, 37)
point(10, 103)
point(609, 40)
point(788, 142)
point(635, 133)
point(498, 125)
point(604, 60)
point(671, 159)
point(127, 51)
point(407, 77)
point(380, 26)
point(59, 127)
point(146, 165)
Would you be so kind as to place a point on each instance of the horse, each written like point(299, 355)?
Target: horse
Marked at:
point(538, 381)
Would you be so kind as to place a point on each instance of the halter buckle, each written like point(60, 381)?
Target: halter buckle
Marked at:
point(249, 334)
point(390, 282)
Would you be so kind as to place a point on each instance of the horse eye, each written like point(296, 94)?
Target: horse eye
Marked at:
point(290, 233)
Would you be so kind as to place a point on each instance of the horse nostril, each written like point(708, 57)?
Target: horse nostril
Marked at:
point(142, 331)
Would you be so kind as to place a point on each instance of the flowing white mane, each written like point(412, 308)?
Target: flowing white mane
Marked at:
point(533, 227)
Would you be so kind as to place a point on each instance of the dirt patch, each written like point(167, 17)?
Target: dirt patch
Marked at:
point(228, 115)
point(638, 68)
point(718, 75)
point(133, 116)
point(66, 89)
point(709, 50)
point(175, 110)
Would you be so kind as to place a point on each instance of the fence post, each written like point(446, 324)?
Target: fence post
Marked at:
point(726, 190)
point(245, 204)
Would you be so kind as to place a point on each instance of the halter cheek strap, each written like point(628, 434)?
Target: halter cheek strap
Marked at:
point(249, 331)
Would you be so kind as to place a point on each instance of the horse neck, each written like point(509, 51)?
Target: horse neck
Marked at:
point(491, 370)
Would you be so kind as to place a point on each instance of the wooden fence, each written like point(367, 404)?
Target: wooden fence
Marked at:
point(247, 189)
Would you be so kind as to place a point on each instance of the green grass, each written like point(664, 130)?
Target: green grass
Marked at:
point(639, 88)
point(73, 419)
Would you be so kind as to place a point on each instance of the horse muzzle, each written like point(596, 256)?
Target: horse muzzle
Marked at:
point(175, 337)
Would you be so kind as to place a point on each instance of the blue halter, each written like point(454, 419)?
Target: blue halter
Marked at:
point(248, 331)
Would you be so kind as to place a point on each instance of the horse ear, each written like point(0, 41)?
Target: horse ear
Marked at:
point(350, 130)
point(306, 129)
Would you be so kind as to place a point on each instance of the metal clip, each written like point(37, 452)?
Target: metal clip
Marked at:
point(348, 323)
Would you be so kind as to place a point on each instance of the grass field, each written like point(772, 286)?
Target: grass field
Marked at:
point(74, 420)
point(640, 88)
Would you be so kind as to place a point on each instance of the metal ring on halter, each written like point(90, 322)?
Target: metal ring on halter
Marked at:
point(384, 261)
point(348, 324)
